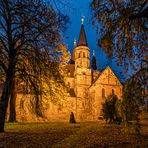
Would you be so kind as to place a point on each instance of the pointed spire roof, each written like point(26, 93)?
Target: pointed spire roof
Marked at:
point(94, 63)
point(82, 37)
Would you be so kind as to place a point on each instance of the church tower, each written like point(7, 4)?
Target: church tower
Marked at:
point(81, 53)
point(94, 67)
point(81, 58)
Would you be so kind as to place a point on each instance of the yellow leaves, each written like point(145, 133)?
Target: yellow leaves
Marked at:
point(92, 134)
point(65, 57)
point(53, 91)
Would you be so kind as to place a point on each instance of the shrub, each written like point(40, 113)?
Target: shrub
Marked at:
point(130, 109)
point(110, 111)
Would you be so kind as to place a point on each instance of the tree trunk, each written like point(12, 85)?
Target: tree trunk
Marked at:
point(38, 109)
point(3, 109)
point(5, 95)
point(12, 114)
point(4, 104)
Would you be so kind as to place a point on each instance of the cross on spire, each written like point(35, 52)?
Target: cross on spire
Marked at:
point(82, 20)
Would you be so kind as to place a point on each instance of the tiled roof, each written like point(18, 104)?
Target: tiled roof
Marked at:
point(82, 37)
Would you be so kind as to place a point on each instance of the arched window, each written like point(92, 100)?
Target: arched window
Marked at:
point(113, 92)
point(81, 64)
point(81, 54)
point(77, 55)
point(103, 93)
point(84, 54)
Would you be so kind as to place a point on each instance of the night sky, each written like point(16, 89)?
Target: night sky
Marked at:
point(80, 8)
point(76, 9)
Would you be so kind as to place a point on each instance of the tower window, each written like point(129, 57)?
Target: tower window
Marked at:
point(84, 54)
point(77, 55)
point(81, 54)
point(103, 93)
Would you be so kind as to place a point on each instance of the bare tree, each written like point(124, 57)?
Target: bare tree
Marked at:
point(29, 29)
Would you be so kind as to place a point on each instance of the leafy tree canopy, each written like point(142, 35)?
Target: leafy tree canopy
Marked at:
point(29, 32)
point(124, 26)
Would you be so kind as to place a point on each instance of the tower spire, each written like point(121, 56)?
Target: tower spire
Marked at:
point(75, 43)
point(82, 37)
point(94, 61)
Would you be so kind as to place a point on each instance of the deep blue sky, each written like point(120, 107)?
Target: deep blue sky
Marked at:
point(76, 9)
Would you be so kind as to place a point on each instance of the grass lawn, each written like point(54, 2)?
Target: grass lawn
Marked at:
point(79, 135)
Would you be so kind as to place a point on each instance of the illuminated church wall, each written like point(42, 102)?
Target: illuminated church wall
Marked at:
point(87, 90)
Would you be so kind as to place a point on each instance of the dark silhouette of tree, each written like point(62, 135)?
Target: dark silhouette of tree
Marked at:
point(133, 97)
point(29, 31)
point(123, 29)
point(12, 116)
point(110, 111)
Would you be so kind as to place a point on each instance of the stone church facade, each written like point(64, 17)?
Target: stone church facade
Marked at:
point(87, 85)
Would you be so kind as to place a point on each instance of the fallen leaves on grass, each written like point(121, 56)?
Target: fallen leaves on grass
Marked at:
point(64, 135)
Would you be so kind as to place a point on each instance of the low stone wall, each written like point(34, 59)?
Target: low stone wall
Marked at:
point(52, 112)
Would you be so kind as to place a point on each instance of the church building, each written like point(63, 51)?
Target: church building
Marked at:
point(88, 88)
point(88, 85)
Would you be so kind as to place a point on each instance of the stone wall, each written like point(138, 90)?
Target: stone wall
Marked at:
point(86, 105)
point(53, 112)
point(25, 109)
point(108, 83)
